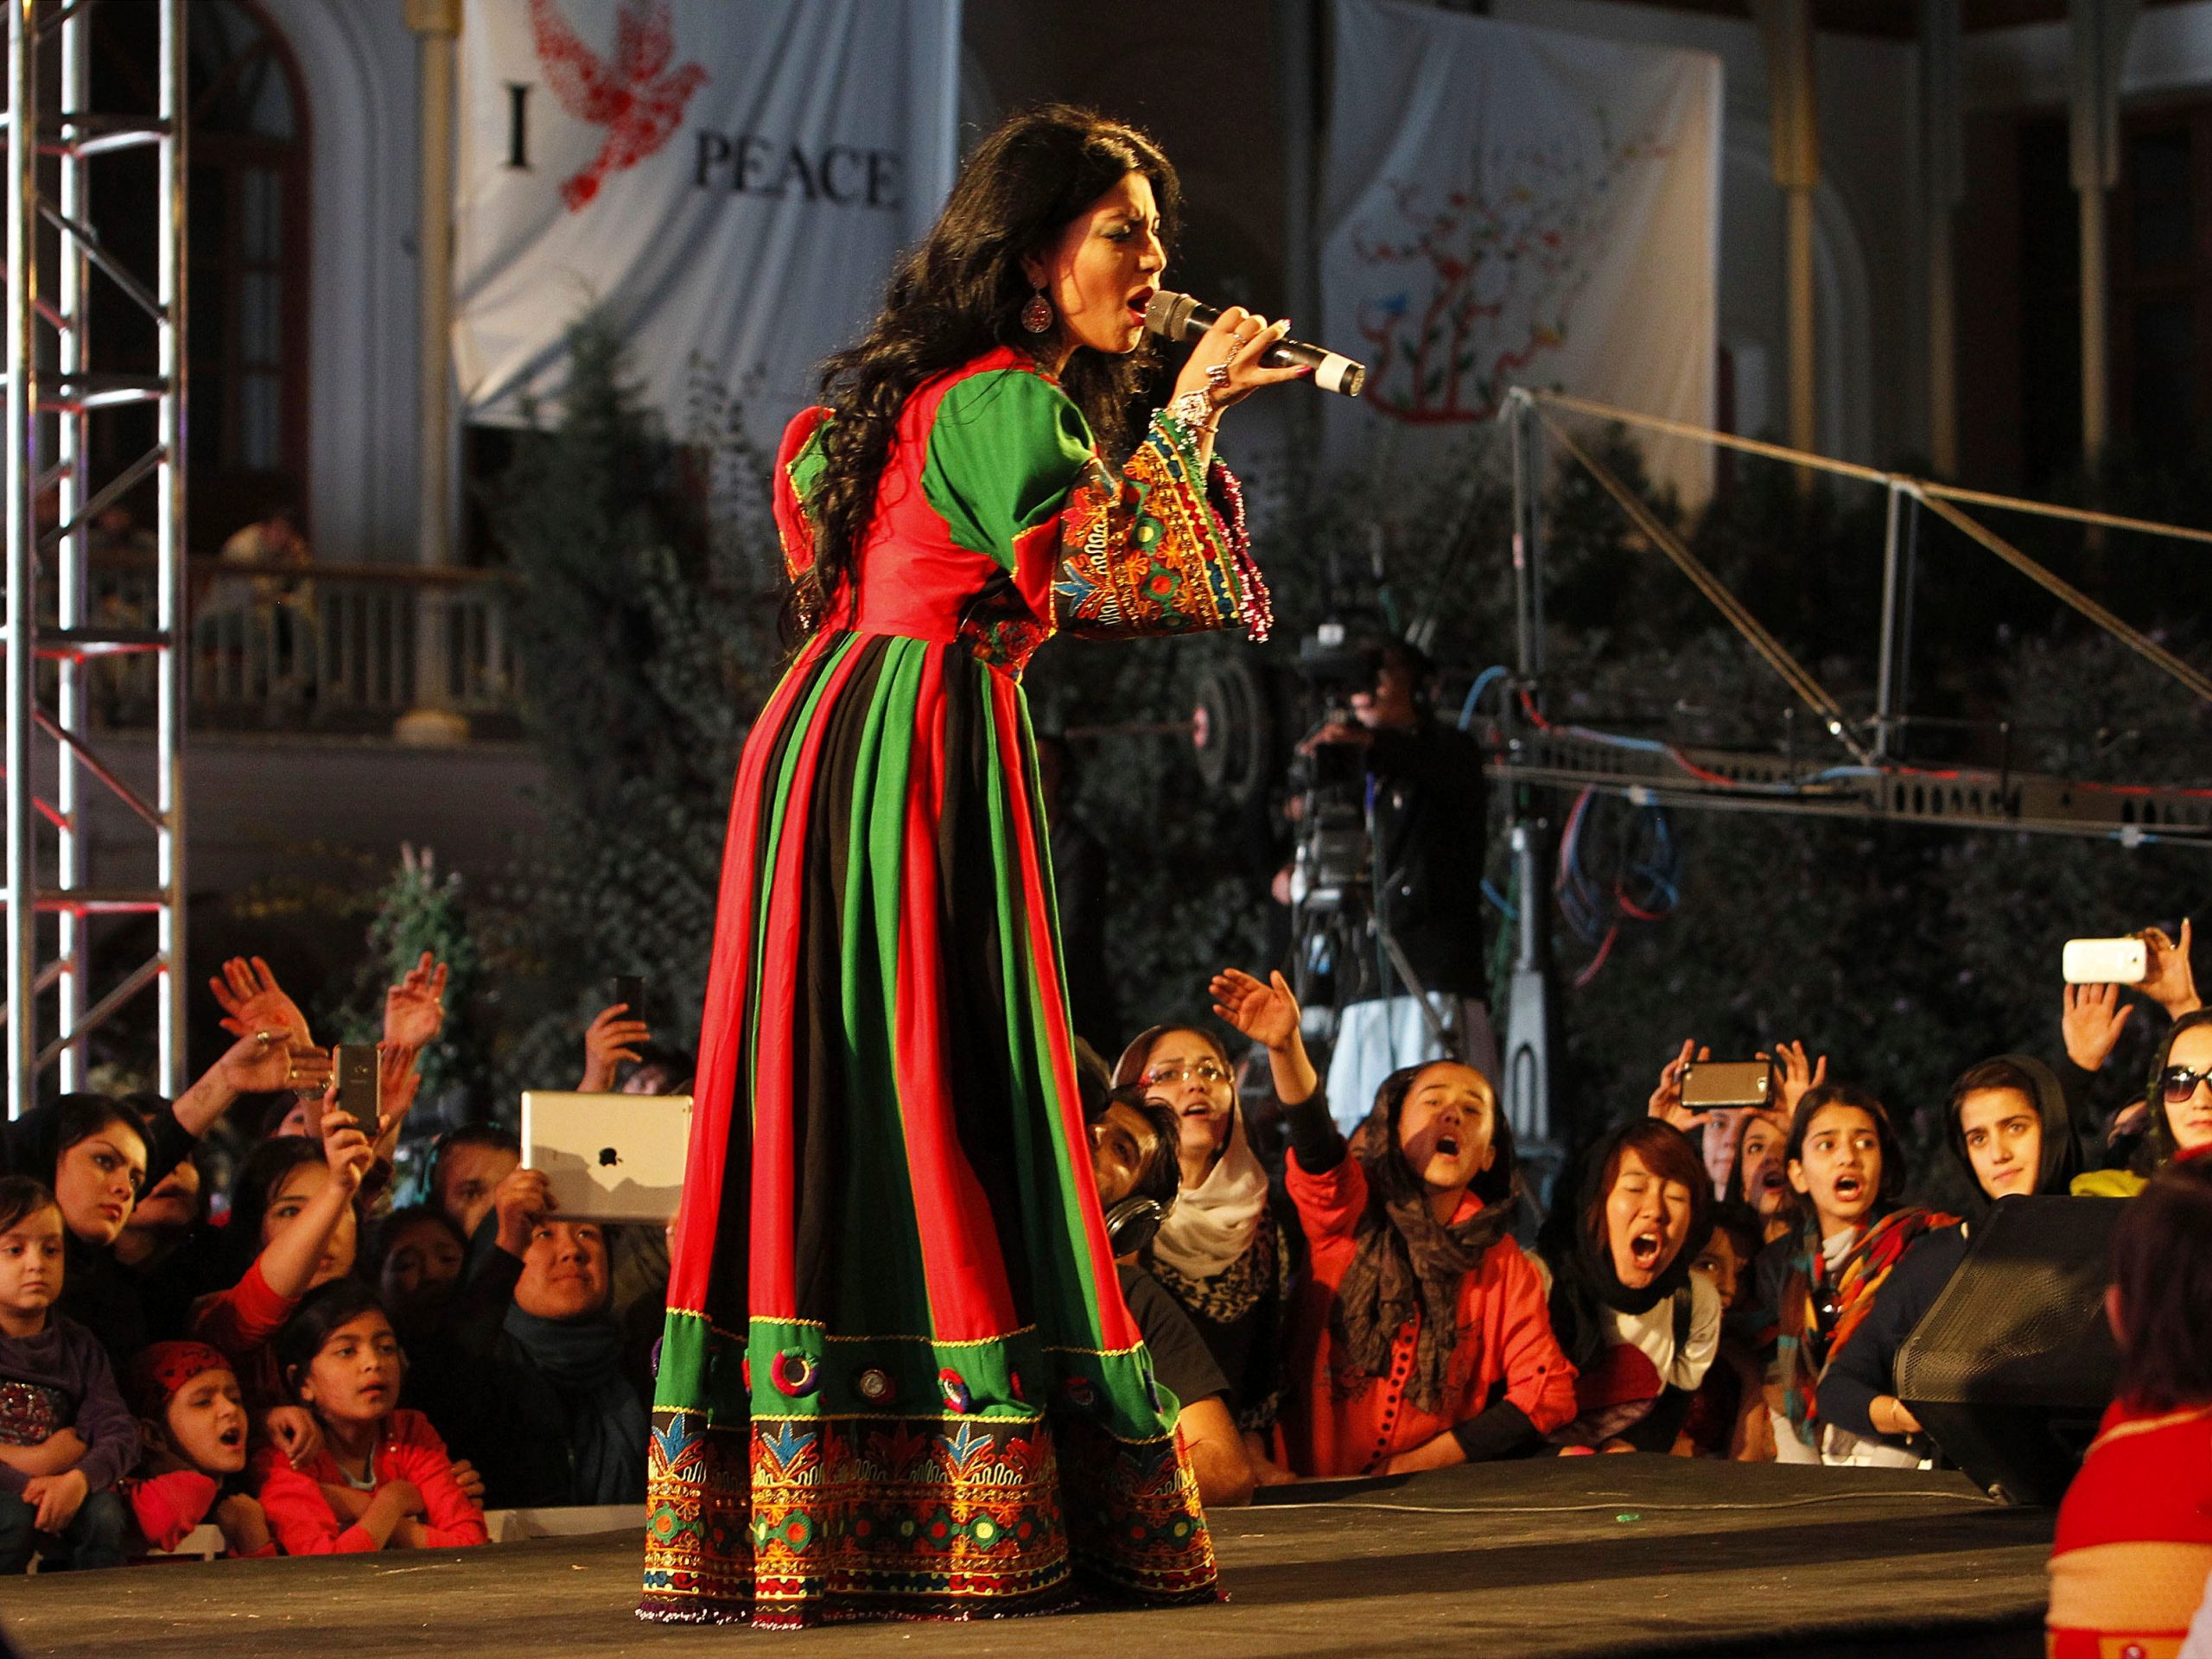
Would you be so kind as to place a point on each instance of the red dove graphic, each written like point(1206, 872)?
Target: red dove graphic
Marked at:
point(629, 96)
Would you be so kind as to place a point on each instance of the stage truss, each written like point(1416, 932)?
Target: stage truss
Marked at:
point(1858, 776)
point(58, 383)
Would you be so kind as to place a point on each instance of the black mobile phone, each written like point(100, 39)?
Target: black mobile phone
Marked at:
point(359, 1087)
point(630, 989)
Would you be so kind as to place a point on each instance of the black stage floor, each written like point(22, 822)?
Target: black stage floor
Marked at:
point(1608, 1555)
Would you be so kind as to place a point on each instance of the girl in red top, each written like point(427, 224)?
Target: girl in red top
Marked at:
point(1419, 1337)
point(2134, 1544)
point(382, 1480)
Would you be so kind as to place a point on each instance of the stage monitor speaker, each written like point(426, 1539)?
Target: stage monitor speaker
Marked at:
point(2012, 1367)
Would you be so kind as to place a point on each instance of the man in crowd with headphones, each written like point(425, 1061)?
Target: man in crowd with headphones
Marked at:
point(1134, 1159)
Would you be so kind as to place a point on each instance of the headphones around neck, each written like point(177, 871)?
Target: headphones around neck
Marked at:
point(1132, 1224)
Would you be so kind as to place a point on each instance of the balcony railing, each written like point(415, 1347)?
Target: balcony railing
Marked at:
point(320, 647)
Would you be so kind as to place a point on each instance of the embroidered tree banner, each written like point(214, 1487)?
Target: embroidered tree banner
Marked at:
point(1509, 206)
point(732, 178)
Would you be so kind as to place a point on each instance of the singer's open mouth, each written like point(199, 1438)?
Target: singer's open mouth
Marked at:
point(1141, 299)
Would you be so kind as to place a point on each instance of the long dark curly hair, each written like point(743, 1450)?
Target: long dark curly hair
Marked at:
point(960, 294)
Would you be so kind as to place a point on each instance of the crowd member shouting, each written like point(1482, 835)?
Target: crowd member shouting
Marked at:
point(2133, 1549)
point(381, 1478)
point(1758, 1179)
point(1419, 1337)
point(528, 1372)
point(2179, 1111)
point(1844, 1161)
point(2007, 1124)
point(66, 1436)
point(1134, 1160)
point(1641, 1329)
point(192, 1420)
point(1220, 1252)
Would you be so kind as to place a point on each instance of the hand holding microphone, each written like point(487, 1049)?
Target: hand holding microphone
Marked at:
point(1254, 352)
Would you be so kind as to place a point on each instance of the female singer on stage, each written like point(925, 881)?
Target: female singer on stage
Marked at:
point(899, 1379)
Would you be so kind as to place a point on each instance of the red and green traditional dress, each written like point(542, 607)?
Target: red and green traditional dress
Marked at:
point(899, 1379)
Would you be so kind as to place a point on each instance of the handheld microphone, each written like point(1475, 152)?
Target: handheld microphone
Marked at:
point(1178, 316)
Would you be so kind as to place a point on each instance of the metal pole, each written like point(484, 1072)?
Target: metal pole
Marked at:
point(2099, 36)
point(1786, 29)
point(1943, 169)
point(1528, 542)
point(1886, 685)
point(169, 499)
point(437, 24)
point(22, 551)
point(72, 434)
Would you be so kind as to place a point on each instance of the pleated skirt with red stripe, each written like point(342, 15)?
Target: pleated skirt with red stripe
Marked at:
point(899, 1379)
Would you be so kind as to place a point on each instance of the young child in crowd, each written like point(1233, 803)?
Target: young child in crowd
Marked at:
point(1845, 1161)
point(416, 1263)
point(2133, 1549)
point(293, 1208)
point(381, 1478)
point(193, 1422)
point(1728, 1418)
point(66, 1436)
point(1640, 1328)
point(1420, 1335)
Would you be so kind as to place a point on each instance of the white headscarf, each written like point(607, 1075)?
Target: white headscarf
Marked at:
point(1213, 1223)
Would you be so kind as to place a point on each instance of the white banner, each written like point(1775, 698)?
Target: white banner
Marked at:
point(729, 178)
point(1512, 206)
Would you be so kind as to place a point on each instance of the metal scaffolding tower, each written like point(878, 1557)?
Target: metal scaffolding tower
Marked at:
point(58, 382)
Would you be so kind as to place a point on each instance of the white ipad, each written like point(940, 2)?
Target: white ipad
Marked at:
point(608, 1157)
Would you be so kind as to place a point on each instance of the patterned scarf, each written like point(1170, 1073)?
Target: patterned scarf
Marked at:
point(1408, 1266)
point(1864, 1266)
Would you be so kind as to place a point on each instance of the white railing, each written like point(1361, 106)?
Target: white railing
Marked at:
point(307, 647)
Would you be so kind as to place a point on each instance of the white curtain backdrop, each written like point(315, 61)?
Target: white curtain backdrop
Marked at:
point(728, 178)
point(1507, 204)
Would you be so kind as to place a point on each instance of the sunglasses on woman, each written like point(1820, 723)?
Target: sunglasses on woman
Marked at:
point(2180, 1083)
point(1169, 1075)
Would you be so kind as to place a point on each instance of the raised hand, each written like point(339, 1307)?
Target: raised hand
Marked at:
point(609, 1040)
point(252, 1002)
point(414, 1009)
point(263, 1060)
point(1799, 1075)
point(1266, 1013)
point(2091, 1023)
point(347, 1152)
point(519, 1201)
point(2168, 980)
point(1666, 1101)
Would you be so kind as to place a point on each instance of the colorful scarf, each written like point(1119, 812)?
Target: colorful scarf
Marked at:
point(1407, 1265)
point(1864, 1266)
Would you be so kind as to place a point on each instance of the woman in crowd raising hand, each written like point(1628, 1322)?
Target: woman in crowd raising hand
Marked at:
point(1420, 1338)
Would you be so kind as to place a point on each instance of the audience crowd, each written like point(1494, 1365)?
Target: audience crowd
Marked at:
point(313, 1360)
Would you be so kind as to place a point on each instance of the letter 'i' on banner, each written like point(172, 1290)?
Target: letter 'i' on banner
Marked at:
point(730, 180)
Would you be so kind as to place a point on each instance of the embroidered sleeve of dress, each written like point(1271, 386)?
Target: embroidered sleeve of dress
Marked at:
point(798, 466)
point(1013, 473)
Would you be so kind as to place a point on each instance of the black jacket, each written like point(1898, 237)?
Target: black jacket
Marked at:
point(1430, 831)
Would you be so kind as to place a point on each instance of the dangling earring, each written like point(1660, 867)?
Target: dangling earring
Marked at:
point(1037, 316)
